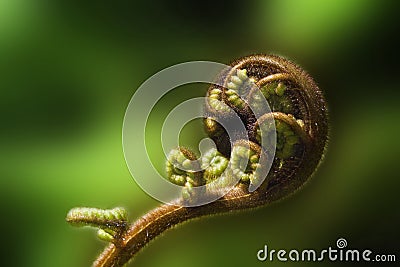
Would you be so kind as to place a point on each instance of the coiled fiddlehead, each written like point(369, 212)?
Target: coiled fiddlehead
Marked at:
point(293, 133)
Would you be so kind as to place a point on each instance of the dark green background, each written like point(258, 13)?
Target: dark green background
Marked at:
point(69, 68)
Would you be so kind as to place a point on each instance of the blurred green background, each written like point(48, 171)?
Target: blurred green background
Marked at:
point(69, 68)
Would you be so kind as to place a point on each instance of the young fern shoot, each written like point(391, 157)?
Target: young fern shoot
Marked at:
point(291, 133)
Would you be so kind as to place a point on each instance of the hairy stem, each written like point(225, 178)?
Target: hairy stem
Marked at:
point(166, 216)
